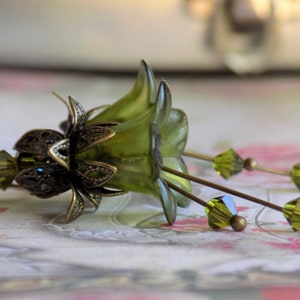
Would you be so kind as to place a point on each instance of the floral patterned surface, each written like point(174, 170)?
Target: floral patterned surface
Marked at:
point(125, 250)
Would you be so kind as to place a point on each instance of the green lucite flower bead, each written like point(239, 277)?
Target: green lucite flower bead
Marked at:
point(295, 175)
point(151, 138)
point(220, 211)
point(228, 163)
point(291, 212)
point(8, 169)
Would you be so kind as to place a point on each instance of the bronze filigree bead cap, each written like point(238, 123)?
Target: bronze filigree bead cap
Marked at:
point(37, 171)
point(47, 166)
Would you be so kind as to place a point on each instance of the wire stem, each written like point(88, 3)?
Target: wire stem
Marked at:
point(223, 188)
point(272, 171)
point(256, 167)
point(186, 193)
point(198, 156)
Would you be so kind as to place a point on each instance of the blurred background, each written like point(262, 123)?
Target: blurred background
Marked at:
point(242, 36)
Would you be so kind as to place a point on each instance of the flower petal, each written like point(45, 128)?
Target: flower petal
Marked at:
point(94, 173)
point(178, 165)
point(92, 135)
point(60, 152)
point(167, 200)
point(174, 134)
point(76, 206)
point(136, 102)
point(44, 180)
point(78, 114)
point(94, 197)
point(163, 104)
point(131, 152)
point(38, 141)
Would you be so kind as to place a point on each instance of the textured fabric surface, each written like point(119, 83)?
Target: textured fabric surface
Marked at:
point(125, 250)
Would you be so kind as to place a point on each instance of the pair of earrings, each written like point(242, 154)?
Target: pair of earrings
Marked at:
point(136, 144)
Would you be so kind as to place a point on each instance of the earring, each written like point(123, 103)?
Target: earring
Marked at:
point(229, 163)
point(136, 144)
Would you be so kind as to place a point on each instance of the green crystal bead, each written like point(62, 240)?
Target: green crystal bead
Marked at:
point(228, 163)
point(295, 175)
point(8, 169)
point(220, 211)
point(291, 212)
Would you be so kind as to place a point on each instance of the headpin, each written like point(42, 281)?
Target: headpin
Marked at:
point(136, 144)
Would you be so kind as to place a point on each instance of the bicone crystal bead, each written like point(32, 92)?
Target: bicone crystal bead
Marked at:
point(228, 163)
point(8, 169)
point(291, 212)
point(220, 211)
point(295, 175)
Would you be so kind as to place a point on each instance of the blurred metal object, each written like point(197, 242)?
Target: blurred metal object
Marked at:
point(246, 36)
point(244, 33)
point(251, 36)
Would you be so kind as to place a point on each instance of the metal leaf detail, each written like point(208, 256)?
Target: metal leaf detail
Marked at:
point(45, 180)
point(38, 141)
point(76, 206)
point(78, 114)
point(93, 196)
point(60, 152)
point(92, 135)
point(94, 174)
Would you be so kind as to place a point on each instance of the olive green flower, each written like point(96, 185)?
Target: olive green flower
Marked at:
point(140, 147)
point(138, 100)
point(134, 145)
point(122, 148)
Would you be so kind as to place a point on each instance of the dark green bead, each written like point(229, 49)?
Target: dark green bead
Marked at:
point(291, 212)
point(8, 169)
point(295, 175)
point(228, 163)
point(220, 212)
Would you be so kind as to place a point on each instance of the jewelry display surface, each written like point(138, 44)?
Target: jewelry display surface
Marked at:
point(122, 250)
